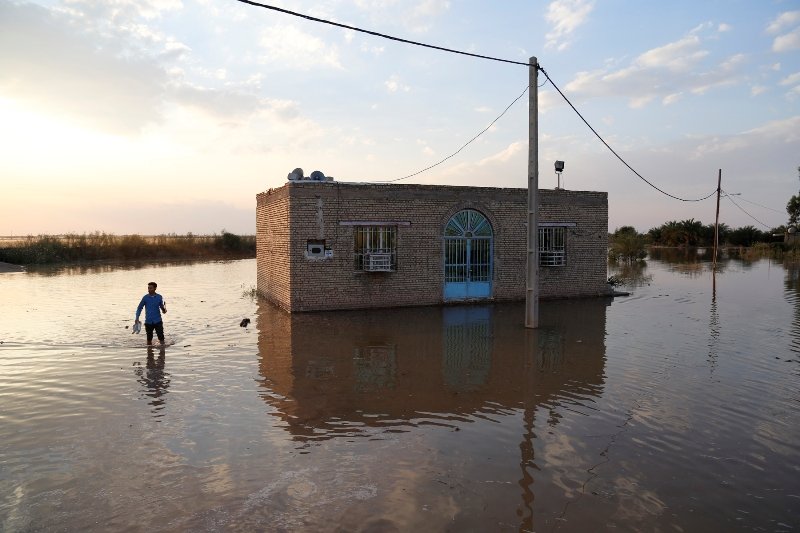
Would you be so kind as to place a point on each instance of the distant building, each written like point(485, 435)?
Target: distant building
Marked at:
point(325, 245)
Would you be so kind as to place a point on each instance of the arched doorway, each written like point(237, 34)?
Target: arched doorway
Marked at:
point(467, 256)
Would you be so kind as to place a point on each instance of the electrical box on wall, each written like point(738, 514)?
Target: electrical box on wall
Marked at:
point(315, 249)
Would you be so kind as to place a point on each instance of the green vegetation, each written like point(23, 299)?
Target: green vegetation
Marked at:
point(748, 242)
point(72, 248)
point(793, 206)
point(627, 245)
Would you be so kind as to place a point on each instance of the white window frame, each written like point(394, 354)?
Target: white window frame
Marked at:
point(375, 248)
point(552, 245)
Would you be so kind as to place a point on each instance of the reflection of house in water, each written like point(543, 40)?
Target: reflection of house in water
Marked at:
point(349, 373)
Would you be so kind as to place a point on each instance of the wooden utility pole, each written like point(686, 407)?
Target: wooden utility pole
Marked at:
point(532, 278)
point(716, 221)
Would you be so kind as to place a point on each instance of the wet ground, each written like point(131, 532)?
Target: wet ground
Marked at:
point(672, 409)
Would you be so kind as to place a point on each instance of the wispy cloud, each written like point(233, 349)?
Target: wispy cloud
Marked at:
point(665, 72)
point(790, 40)
point(565, 16)
point(394, 84)
point(787, 42)
point(291, 47)
point(785, 19)
point(417, 17)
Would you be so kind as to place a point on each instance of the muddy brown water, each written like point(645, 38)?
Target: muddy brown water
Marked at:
point(676, 408)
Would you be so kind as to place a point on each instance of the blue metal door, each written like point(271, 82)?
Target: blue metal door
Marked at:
point(467, 256)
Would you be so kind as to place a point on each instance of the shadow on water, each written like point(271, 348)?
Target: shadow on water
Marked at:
point(363, 373)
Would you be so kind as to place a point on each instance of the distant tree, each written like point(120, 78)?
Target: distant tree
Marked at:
point(747, 236)
point(707, 234)
point(793, 207)
point(627, 245)
point(691, 232)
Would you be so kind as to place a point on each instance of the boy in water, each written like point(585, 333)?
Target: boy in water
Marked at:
point(153, 304)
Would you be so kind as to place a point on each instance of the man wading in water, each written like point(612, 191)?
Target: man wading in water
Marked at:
point(153, 304)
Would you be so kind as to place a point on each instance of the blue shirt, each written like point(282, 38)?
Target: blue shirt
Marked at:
point(152, 308)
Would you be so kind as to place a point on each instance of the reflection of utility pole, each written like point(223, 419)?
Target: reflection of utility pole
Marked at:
point(527, 453)
point(532, 279)
point(716, 225)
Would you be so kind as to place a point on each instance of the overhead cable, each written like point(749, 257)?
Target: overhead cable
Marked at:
point(538, 67)
point(616, 154)
point(315, 19)
point(759, 205)
point(465, 144)
point(728, 196)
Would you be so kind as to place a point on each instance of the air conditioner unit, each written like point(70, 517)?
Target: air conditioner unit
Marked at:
point(378, 262)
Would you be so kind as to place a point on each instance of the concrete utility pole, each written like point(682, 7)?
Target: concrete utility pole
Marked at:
point(532, 278)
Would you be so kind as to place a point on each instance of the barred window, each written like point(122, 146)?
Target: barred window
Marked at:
point(552, 251)
point(375, 248)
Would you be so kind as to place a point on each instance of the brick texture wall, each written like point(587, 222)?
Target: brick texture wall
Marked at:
point(289, 216)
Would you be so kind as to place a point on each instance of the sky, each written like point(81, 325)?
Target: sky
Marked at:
point(169, 116)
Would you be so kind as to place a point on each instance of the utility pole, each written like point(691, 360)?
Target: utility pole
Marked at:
point(532, 277)
point(716, 222)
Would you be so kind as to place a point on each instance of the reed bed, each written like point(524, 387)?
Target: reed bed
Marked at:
point(98, 246)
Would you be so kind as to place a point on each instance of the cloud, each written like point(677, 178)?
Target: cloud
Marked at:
point(416, 17)
point(660, 72)
point(565, 16)
point(756, 90)
point(787, 18)
point(290, 47)
point(99, 83)
point(680, 55)
point(393, 84)
point(787, 42)
point(792, 79)
point(723, 27)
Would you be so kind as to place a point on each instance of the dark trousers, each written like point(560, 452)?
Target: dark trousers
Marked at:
point(159, 327)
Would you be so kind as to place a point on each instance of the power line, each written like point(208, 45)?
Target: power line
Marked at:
point(615, 153)
point(728, 196)
point(759, 205)
point(323, 21)
point(416, 43)
point(465, 144)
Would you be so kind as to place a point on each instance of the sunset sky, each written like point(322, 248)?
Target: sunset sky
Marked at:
point(169, 116)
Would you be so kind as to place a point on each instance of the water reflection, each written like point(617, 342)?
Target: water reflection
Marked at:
point(366, 373)
point(342, 373)
point(694, 262)
point(630, 275)
point(792, 294)
point(154, 379)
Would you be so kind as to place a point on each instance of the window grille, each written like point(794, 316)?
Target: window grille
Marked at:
point(552, 251)
point(375, 248)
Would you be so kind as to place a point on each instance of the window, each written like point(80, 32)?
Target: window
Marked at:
point(551, 246)
point(375, 248)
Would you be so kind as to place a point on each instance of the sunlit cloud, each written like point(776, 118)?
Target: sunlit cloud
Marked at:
point(416, 16)
point(788, 18)
point(662, 72)
point(787, 42)
point(792, 79)
point(755, 90)
point(393, 84)
point(290, 47)
point(565, 16)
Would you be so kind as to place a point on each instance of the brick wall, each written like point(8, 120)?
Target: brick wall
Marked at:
point(291, 215)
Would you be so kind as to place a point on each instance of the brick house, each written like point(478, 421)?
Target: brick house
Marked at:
point(324, 245)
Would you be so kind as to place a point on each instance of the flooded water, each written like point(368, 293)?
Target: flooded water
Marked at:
point(676, 408)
